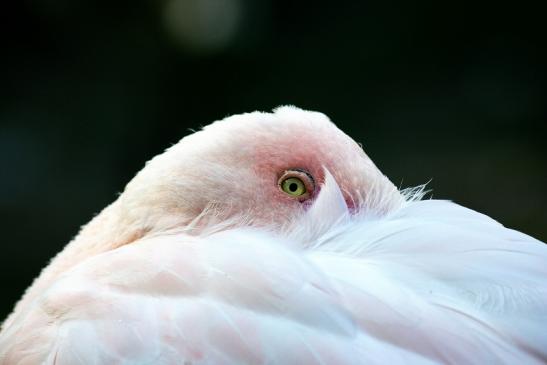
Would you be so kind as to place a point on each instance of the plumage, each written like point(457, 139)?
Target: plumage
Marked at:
point(360, 274)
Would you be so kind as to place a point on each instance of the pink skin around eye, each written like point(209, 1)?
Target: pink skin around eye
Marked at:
point(304, 153)
point(271, 163)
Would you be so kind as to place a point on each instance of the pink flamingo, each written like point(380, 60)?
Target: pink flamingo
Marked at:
point(271, 238)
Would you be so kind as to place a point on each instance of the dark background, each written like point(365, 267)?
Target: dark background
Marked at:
point(452, 92)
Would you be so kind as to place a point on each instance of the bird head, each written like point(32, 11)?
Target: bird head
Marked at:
point(260, 169)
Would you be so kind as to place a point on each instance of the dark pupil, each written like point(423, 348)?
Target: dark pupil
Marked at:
point(293, 187)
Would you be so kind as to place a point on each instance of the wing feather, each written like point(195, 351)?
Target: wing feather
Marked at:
point(431, 283)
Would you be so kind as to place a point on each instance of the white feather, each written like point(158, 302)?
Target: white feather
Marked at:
point(430, 283)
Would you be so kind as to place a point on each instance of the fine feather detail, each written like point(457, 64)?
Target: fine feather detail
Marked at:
point(415, 193)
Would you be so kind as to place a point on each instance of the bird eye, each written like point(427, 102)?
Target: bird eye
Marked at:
point(296, 183)
point(293, 186)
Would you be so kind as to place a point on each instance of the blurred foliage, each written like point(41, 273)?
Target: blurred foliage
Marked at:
point(448, 92)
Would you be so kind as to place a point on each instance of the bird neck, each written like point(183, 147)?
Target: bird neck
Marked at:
point(105, 232)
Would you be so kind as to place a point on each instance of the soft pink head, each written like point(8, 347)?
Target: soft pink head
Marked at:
point(232, 168)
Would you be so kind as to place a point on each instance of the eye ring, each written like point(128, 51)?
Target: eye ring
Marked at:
point(296, 183)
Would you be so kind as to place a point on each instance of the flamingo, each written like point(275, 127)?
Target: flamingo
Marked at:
point(272, 238)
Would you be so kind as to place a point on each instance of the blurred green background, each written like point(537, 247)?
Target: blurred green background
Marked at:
point(91, 89)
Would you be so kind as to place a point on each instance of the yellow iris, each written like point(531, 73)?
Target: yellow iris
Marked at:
point(293, 186)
